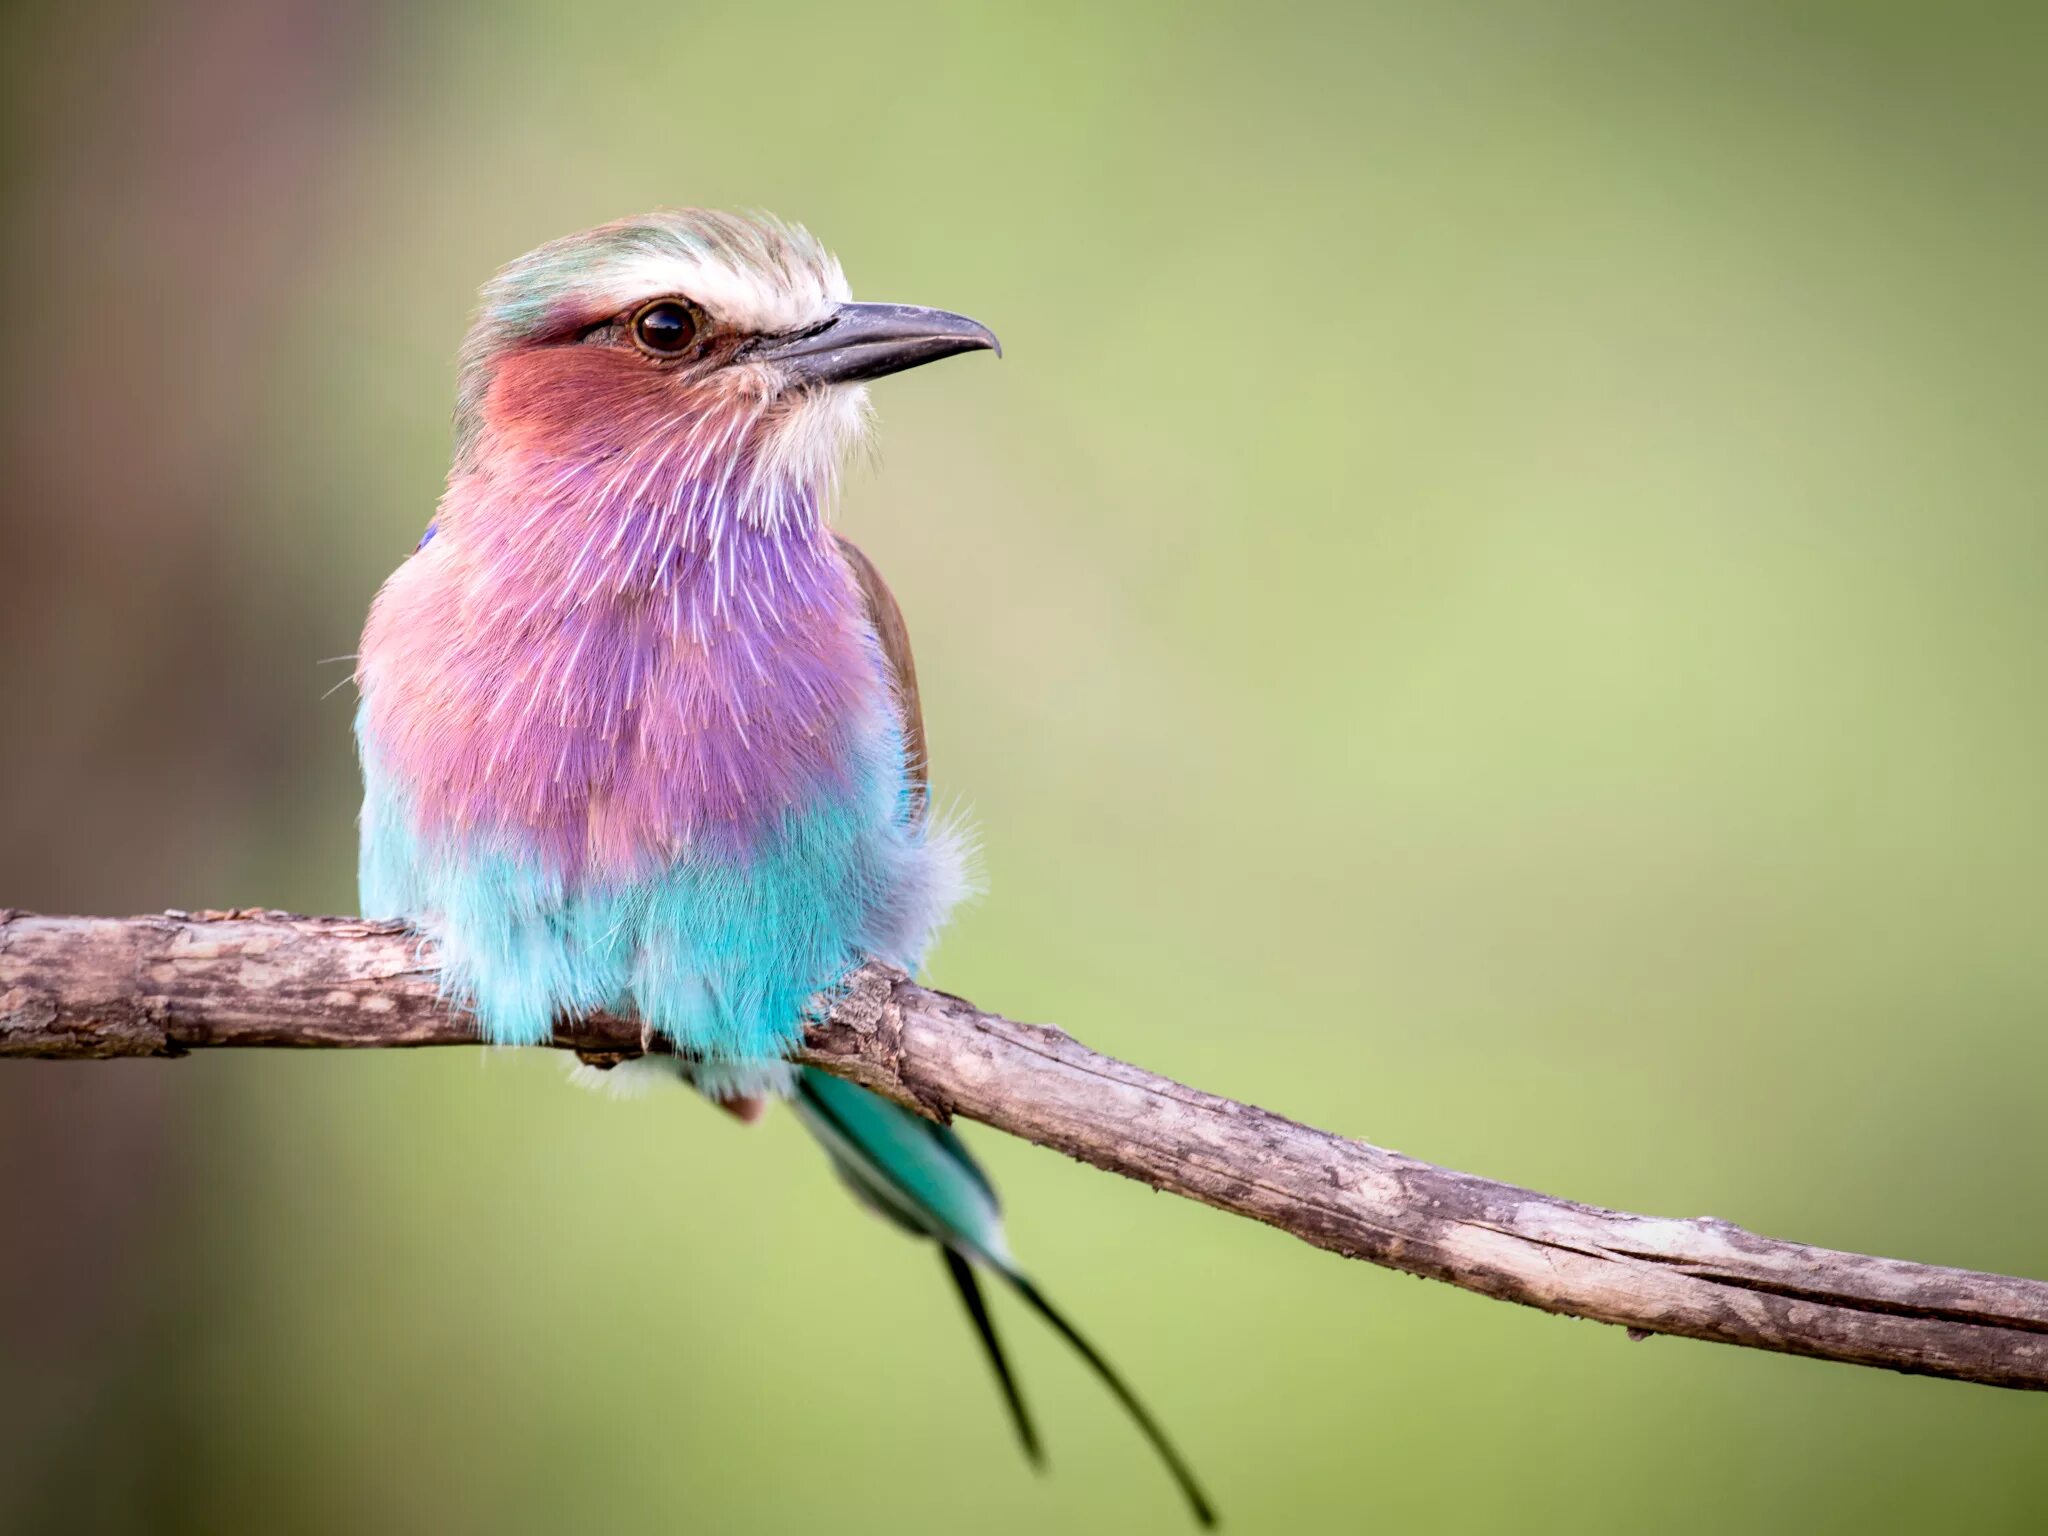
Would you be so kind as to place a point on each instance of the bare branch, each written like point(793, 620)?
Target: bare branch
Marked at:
point(163, 986)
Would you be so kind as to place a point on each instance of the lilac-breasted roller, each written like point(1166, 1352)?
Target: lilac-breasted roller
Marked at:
point(639, 733)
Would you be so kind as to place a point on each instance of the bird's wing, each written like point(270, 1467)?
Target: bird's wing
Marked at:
point(887, 619)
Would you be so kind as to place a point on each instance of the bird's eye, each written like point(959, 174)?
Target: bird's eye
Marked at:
point(664, 328)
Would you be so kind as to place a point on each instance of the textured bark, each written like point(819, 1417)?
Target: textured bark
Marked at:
point(163, 986)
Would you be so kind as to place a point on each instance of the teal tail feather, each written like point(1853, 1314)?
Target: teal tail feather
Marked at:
point(920, 1176)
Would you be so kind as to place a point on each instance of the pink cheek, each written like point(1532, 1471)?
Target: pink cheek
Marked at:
point(576, 401)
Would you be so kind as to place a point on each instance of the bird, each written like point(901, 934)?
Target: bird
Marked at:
point(640, 732)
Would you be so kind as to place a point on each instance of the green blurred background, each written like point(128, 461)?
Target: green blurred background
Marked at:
point(1496, 604)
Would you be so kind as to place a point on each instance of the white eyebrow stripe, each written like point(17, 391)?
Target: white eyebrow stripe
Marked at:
point(741, 299)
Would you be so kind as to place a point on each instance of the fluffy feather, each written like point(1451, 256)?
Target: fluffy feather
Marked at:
point(627, 738)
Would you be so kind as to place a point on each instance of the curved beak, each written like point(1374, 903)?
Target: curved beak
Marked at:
point(869, 341)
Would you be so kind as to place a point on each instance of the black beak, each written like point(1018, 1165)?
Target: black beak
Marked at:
point(867, 341)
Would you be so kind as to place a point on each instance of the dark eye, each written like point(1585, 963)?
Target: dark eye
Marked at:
point(664, 328)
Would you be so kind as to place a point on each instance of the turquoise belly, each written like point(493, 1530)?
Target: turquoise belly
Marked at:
point(720, 955)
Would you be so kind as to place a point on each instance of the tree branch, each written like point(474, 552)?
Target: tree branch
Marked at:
point(162, 986)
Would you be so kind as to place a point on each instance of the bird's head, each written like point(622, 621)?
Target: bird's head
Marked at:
point(707, 347)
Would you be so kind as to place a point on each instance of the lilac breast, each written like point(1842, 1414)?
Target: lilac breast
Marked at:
point(604, 669)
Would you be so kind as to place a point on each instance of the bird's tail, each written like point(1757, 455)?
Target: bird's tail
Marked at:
point(918, 1175)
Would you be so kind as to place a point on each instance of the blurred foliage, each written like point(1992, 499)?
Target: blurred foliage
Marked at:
point(1495, 603)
